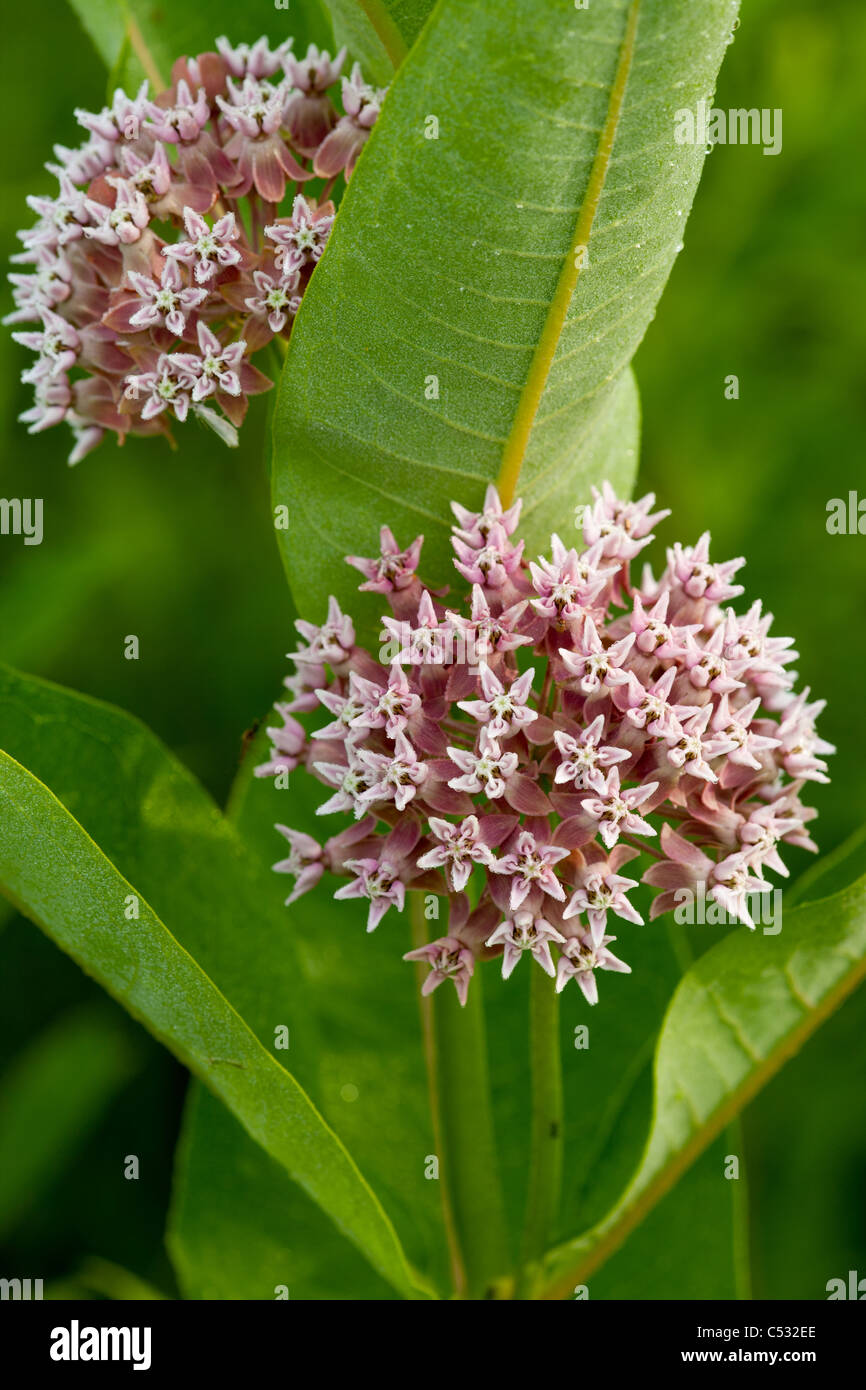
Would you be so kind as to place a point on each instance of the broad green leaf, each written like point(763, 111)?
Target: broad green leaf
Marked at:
point(379, 33)
point(741, 1011)
point(138, 38)
point(195, 863)
point(50, 1097)
point(372, 1088)
point(162, 831)
point(484, 291)
point(225, 908)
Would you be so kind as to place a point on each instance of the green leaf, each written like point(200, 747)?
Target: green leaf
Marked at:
point(459, 258)
point(138, 38)
point(832, 871)
point(741, 1011)
point(141, 962)
point(50, 1097)
point(372, 1088)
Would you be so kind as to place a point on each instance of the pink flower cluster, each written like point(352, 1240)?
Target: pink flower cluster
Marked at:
point(514, 753)
point(135, 329)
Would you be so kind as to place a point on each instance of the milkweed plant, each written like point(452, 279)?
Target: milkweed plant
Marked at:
point(510, 753)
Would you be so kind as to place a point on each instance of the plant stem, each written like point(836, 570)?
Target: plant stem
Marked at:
point(456, 1054)
point(419, 938)
point(469, 1165)
point(545, 1162)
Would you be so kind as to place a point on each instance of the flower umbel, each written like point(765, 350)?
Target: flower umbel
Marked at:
point(180, 241)
point(522, 747)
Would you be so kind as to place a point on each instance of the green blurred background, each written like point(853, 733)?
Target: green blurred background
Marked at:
point(179, 550)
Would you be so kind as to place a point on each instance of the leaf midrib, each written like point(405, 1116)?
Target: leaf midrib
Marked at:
point(516, 444)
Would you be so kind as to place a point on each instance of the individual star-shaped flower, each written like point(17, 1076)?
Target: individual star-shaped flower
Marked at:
point(475, 527)
point(690, 568)
point(621, 528)
point(218, 367)
point(288, 745)
point(525, 931)
point(378, 881)
point(649, 706)
point(585, 758)
point(310, 116)
point(208, 249)
point(255, 114)
point(166, 387)
point(57, 343)
point(530, 865)
point(165, 304)
point(486, 769)
point(462, 847)
point(705, 666)
point(491, 564)
point(119, 121)
point(567, 584)
point(277, 300)
point(345, 708)
point(800, 745)
point(390, 708)
point(730, 881)
point(595, 665)
point(301, 238)
point(394, 777)
point(449, 959)
point(731, 736)
point(503, 712)
point(351, 779)
point(752, 653)
point(62, 219)
point(428, 643)
point(122, 224)
point(602, 889)
point(332, 642)
point(616, 810)
point(655, 636)
point(253, 60)
point(304, 862)
point(486, 634)
point(690, 749)
point(394, 568)
point(183, 121)
point(581, 957)
point(340, 149)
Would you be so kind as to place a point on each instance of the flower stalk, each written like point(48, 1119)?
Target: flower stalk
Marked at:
point(468, 1162)
point(546, 1135)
